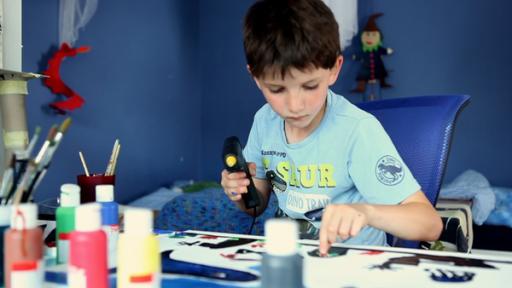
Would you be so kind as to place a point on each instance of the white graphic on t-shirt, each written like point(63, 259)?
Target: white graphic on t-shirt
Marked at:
point(302, 202)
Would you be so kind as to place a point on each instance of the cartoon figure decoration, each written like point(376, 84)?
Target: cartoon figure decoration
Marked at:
point(372, 70)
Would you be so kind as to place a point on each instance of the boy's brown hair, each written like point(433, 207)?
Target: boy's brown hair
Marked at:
point(284, 34)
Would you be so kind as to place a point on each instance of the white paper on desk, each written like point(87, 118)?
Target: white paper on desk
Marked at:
point(169, 239)
point(351, 269)
point(358, 267)
point(211, 257)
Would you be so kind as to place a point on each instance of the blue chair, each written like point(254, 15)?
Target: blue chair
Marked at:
point(421, 129)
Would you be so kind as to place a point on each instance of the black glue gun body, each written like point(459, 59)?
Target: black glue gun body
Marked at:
point(234, 161)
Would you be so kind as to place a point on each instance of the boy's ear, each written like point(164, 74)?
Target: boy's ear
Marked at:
point(257, 82)
point(335, 70)
point(255, 79)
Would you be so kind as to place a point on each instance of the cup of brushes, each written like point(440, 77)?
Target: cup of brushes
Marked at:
point(24, 174)
point(88, 181)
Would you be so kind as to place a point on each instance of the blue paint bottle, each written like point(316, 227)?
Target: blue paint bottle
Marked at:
point(109, 220)
point(281, 263)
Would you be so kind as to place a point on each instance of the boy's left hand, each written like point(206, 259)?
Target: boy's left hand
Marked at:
point(341, 220)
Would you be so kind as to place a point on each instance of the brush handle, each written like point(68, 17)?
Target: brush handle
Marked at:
point(20, 165)
point(234, 161)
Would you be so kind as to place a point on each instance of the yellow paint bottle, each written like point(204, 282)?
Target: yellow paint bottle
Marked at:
point(138, 255)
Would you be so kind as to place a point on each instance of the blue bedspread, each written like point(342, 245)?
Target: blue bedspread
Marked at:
point(210, 210)
point(502, 215)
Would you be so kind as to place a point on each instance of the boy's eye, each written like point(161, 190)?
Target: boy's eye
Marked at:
point(310, 87)
point(276, 90)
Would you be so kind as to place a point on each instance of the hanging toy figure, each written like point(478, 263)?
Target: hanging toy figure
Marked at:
point(372, 70)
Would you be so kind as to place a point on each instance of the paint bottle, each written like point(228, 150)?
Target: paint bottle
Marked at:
point(109, 220)
point(281, 263)
point(138, 267)
point(23, 249)
point(65, 217)
point(88, 249)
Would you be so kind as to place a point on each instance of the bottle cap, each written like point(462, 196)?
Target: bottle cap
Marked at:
point(138, 221)
point(24, 216)
point(69, 195)
point(5, 215)
point(105, 193)
point(281, 237)
point(88, 217)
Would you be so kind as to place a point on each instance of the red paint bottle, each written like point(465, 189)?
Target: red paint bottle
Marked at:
point(23, 249)
point(88, 249)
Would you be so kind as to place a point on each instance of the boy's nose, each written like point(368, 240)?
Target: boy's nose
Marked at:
point(295, 103)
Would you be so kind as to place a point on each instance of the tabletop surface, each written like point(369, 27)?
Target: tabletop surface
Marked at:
point(207, 259)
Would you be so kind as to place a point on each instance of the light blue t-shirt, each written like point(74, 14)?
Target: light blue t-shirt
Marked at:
point(348, 158)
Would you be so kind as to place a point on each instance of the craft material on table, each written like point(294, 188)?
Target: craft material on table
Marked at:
point(65, 218)
point(23, 249)
point(142, 265)
point(345, 266)
point(88, 249)
point(208, 259)
point(109, 219)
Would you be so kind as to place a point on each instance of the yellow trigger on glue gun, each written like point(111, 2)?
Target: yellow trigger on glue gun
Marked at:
point(230, 160)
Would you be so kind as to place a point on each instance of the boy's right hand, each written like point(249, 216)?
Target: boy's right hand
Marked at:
point(235, 184)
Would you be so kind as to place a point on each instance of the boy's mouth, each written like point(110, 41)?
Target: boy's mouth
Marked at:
point(297, 118)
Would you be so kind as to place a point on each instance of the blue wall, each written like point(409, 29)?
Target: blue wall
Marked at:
point(230, 97)
point(168, 79)
point(457, 47)
point(140, 85)
point(441, 47)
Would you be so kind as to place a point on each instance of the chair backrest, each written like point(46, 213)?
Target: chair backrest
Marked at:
point(421, 129)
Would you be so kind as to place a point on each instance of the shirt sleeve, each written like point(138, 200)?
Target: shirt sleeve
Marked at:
point(376, 168)
point(252, 150)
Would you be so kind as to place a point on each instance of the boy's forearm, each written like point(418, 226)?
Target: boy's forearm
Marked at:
point(410, 221)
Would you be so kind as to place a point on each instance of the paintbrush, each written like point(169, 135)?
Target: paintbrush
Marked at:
point(44, 149)
point(32, 142)
point(84, 164)
point(112, 158)
point(46, 160)
point(7, 179)
point(18, 168)
point(54, 144)
point(25, 182)
point(113, 171)
point(37, 161)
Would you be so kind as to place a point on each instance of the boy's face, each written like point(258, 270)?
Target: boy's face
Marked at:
point(300, 97)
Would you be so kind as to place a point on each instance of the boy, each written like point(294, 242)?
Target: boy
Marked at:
point(313, 147)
